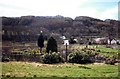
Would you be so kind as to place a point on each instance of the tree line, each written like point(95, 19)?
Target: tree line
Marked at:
point(27, 28)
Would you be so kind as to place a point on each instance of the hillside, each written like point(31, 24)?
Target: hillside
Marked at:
point(27, 28)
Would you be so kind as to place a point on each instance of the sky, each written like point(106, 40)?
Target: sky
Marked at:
point(101, 9)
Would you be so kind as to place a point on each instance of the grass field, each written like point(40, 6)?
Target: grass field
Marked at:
point(31, 69)
point(61, 71)
point(108, 51)
point(102, 49)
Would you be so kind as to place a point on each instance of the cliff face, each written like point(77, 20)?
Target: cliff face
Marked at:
point(59, 25)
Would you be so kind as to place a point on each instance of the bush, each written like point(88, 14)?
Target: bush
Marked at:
point(51, 58)
point(79, 57)
point(51, 45)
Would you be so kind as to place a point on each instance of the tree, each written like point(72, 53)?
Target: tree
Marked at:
point(51, 45)
point(41, 42)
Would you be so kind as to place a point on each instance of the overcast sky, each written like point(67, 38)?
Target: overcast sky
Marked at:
point(102, 9)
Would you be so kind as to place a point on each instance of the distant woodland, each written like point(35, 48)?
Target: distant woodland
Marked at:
point(27, 28)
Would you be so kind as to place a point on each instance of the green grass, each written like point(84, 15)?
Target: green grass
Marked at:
point(108, 51)
point(62, 71)
point(25, 69)
point(104, 49)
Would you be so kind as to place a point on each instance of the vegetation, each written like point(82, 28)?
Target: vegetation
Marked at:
point(109, 52)
point(52, 58)
point(28, 69)
point(97, 52)
point(19, 35)
point(27, 28)
point(51, 45)
point(79, 57)
point(52, 69)
point(54, 77)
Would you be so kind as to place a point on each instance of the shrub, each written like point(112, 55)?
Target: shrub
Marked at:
point(51, 45)
point(74, 57)
point(51, 58)
point(79, 57)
